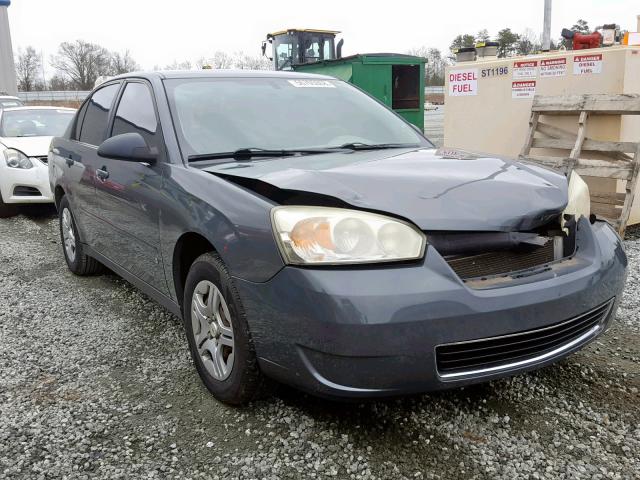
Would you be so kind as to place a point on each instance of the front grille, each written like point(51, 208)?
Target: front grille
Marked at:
point(26, 192)
point(44, 159)
point(487, 355)
point(500, 262)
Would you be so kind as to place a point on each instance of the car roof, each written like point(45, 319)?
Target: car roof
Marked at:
point(9, 97)
point(220, 73)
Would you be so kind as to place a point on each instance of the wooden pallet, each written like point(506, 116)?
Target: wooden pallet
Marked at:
point(616, 160)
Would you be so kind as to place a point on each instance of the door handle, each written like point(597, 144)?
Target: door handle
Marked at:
point(102, 173)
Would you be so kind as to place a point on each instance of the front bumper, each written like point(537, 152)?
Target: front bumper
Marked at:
point(36, 180)
point(362, 332)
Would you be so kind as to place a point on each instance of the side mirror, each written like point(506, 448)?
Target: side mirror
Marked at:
point(130, 147)
point(264, 48)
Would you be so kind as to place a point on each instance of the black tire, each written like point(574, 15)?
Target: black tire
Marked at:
point(6, 209)
point(245, 381)
point(81, 264)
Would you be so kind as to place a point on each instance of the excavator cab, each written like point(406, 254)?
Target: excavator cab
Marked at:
point(294, 46)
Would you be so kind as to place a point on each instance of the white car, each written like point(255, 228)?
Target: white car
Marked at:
point(25, 135)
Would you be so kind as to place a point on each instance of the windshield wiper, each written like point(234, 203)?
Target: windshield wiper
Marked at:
point(249, 153)
point(376, 146)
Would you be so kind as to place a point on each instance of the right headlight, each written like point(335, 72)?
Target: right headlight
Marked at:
point(329, 236)
point(17, 159)
point(579, 204)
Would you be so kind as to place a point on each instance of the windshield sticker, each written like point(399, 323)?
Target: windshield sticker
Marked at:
point(312, 84)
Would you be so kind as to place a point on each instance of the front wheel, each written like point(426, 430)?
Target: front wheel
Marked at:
point(77, 261)
point(218, 333)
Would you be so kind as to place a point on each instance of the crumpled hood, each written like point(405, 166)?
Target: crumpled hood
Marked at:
point(30, 146)
point(423, 186)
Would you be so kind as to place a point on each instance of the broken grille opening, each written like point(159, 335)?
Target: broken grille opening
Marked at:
point(484, 255)
point(501, 262)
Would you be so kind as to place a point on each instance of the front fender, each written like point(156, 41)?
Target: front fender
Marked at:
point(235, 221)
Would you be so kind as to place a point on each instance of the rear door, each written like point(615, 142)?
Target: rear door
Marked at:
point(81, 158)
point(129, 194)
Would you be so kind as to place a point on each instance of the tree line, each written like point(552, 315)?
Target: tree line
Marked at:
point(509, 44)
point(77, 65)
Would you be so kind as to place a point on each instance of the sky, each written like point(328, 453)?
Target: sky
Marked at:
point(157, 32)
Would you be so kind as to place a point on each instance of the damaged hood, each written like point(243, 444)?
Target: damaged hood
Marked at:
point(431, 190)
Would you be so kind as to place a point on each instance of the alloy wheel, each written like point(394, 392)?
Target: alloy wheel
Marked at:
point(212, 329)
point(68, 235)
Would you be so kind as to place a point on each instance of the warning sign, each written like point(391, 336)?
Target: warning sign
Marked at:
point(587, 64)
point(463, 82)
point(525, 69)
point(555, 67)
point(523, 89)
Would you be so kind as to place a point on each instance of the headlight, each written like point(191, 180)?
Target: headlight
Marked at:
point(17, 159)
point(579, 198)
point(323, 235)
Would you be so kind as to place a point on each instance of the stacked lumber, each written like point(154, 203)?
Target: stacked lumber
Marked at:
point(605, 159)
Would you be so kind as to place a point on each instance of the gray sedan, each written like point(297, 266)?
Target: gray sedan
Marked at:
point(306, 233)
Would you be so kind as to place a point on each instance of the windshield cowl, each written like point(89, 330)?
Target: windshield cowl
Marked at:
point(250, 153)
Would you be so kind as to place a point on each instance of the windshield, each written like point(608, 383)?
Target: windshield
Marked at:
point(34, 123)
point(226, 114)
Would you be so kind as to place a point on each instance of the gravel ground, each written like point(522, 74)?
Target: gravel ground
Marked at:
point(96, 382)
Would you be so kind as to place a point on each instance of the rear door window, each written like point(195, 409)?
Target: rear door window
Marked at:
point(94, 125)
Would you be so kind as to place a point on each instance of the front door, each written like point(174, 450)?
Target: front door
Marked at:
point(129, 193)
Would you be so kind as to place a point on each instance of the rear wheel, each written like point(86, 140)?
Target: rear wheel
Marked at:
point(7, 210)
point(77, 261)
point(218, 333)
